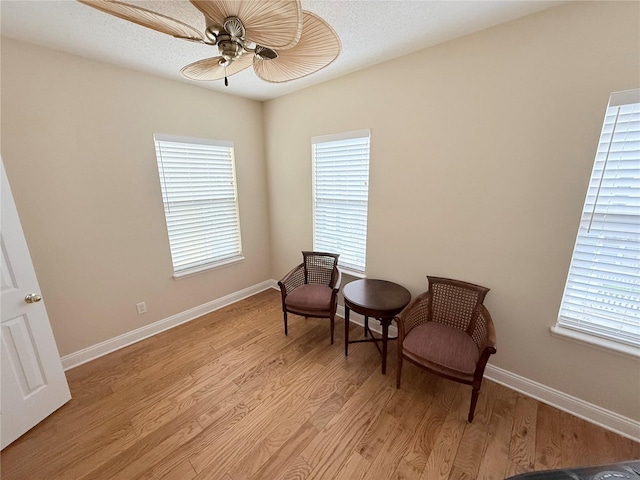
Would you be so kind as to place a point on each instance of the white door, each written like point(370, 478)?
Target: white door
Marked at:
point(33, 384)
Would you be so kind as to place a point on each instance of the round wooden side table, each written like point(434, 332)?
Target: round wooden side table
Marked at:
point(378, 299)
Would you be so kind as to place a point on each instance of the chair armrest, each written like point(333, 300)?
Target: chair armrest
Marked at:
point(414, 314)
point(484, 333)
point(486, 343)
point(292, 280)
point(336, 280)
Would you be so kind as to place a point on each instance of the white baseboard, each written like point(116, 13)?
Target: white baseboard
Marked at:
point(607, 419)
point(95, 351)
point(587, 411)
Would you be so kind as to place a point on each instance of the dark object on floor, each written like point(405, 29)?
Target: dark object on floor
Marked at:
point(618, 471)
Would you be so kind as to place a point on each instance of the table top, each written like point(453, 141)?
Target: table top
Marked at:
point(375, 298)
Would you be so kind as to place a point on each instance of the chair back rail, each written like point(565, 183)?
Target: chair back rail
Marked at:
point(319, 267)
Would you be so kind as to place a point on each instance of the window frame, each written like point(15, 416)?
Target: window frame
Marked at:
point(211, 262)
point(350, 267)
point(589, 323)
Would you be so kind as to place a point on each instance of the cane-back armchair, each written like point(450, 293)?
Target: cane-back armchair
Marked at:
point(311, 288)
point(448, 331)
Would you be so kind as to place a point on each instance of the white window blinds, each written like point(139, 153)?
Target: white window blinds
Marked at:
point(602, 293)
point(340, 196)
point(197, 178)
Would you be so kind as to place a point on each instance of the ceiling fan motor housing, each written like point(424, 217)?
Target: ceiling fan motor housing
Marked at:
point(229, 47)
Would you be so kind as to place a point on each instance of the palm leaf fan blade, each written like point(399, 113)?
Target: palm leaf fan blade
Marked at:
point(318, 46)
point(146, 18)
point(211, 69)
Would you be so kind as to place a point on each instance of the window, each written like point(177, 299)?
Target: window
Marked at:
point(340, 196)
point(602, 293)
point(198, 183)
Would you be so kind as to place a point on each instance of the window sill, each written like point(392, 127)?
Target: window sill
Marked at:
point(352, 273)
point(204, 268)
point(597, 342)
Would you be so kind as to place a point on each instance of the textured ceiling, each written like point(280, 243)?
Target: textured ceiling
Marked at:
point(371, 31)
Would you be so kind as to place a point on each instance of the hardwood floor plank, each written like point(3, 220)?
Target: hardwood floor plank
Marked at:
point(355, 468)
point(173, 421)
point(132, 462)
point(440, 461)
point(248, 429)
point(298, 469)
point(396, 445)
point(327, 458)
point(428, 428)
point(255, 425)
point(345, 375)
point(574, 447)
point(473, 442)
point(190, 355)
point(514, 468)
point(280, 428)
point(522, 449)
point(459, 474)
point(333, 445)
point(242, 401)
point(374, 438)
point(411, 402)
point(327, 411)
point(181, 471)
point(281, 460)
point(51, 462)
point(548, 438)
point(493, 464)
point(623, 447)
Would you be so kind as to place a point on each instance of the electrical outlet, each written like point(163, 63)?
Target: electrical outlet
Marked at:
point(141, 307)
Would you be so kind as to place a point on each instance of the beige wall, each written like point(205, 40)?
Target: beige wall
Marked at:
point(481, 152)
point(78, 148)
point(481, 149)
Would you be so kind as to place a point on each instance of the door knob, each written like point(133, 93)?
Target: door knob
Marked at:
point(32, 298)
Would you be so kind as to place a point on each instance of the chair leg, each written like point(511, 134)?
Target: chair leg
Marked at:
point(332, 327)
point(286, 331)
point(399, 370)
point(474, 399)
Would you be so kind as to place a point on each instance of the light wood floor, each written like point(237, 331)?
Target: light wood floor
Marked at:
point(229, 397)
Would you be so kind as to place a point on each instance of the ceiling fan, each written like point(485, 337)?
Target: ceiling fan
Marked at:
point(277, 37)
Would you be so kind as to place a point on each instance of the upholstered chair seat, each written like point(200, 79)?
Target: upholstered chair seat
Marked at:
point(310, 297)
point(442, 348)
